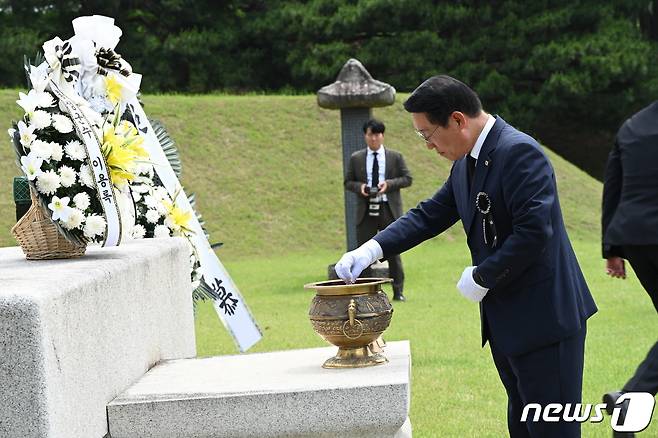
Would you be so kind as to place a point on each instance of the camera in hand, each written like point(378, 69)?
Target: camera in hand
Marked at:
point(374, 201)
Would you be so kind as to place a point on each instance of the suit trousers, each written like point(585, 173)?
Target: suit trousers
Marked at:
point(367, 229)
point(552, 374)
point(644, 260)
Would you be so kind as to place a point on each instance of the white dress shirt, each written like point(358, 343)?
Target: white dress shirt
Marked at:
point(381, 161)
point(475, 152)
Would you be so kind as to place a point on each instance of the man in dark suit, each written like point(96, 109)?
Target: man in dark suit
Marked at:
point(533, 299)
point(630, 223)
point(377, 174)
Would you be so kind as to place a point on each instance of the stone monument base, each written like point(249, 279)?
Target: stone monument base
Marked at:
point(74, 333)
point(284, 393)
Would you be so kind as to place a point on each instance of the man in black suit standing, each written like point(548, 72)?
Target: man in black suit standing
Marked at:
point(630, 222)
point(377, 174)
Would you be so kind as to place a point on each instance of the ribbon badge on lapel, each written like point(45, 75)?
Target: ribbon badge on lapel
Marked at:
point(483, 205)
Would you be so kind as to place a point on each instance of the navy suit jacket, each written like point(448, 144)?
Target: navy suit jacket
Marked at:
point(538, 295)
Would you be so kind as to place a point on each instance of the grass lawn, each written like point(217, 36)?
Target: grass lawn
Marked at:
point(267, 171)
point(455, 388)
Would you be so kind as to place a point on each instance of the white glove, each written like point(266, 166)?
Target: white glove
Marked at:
point(352, 263)
point(469, 288)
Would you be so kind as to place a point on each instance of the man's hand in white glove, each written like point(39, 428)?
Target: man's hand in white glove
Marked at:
point(469, 288)
point(352, 263)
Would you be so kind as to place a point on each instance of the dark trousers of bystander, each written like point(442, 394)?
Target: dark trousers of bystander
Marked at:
point(367, 229)
point(644, 260)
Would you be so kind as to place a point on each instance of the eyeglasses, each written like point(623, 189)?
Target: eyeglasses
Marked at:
point(426, 139)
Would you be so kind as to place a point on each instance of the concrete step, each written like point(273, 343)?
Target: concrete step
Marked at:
point(275, 394)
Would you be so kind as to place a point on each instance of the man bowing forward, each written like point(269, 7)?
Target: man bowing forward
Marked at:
point(534, 302)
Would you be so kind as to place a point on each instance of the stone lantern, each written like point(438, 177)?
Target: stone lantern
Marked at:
point(354, 93)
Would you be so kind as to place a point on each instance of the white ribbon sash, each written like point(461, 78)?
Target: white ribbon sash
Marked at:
point(229, 305)
point(102, 180)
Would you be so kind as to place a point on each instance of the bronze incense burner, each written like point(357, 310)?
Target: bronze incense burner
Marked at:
point(352, 317)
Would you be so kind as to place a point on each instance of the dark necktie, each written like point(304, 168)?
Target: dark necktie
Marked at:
point(375, 170)
point(471, 169)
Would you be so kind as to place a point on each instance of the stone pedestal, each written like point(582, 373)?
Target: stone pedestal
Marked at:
point(75, 333)
point(354, 93)
point(276, 394)
point(351, 125)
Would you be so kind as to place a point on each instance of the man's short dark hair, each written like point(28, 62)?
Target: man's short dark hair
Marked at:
point(440, 96)
point(376, 126)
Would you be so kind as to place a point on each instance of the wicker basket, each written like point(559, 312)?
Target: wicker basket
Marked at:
point(39, 238)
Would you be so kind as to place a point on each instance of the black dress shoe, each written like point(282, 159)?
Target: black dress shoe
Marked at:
point(399, 297)
point(610, 400)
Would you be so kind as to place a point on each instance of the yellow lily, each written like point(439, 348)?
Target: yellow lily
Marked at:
point(177, 216)
point(114, 89)
point(122, 149)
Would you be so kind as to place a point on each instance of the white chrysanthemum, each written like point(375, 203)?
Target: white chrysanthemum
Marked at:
point(44, 99)
point(40, 119)
point(86, 177)
point(126, 207)
point(60, 208)
point(160, 193)
point(81, 201)
point(162, 209)
point(48, 182)
point(67, 176)
point(153, 216)
point(26, 133)
point(160, 231)
point(62, 123)
point(138, 232)
point(143, 179)
point(42, 149)
point(57, 151)
point(150, 201)
point(75, 220)
point(75, 150)
point(145, 169)
point(31, 165)
point(140, 188)
point(94, 226)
